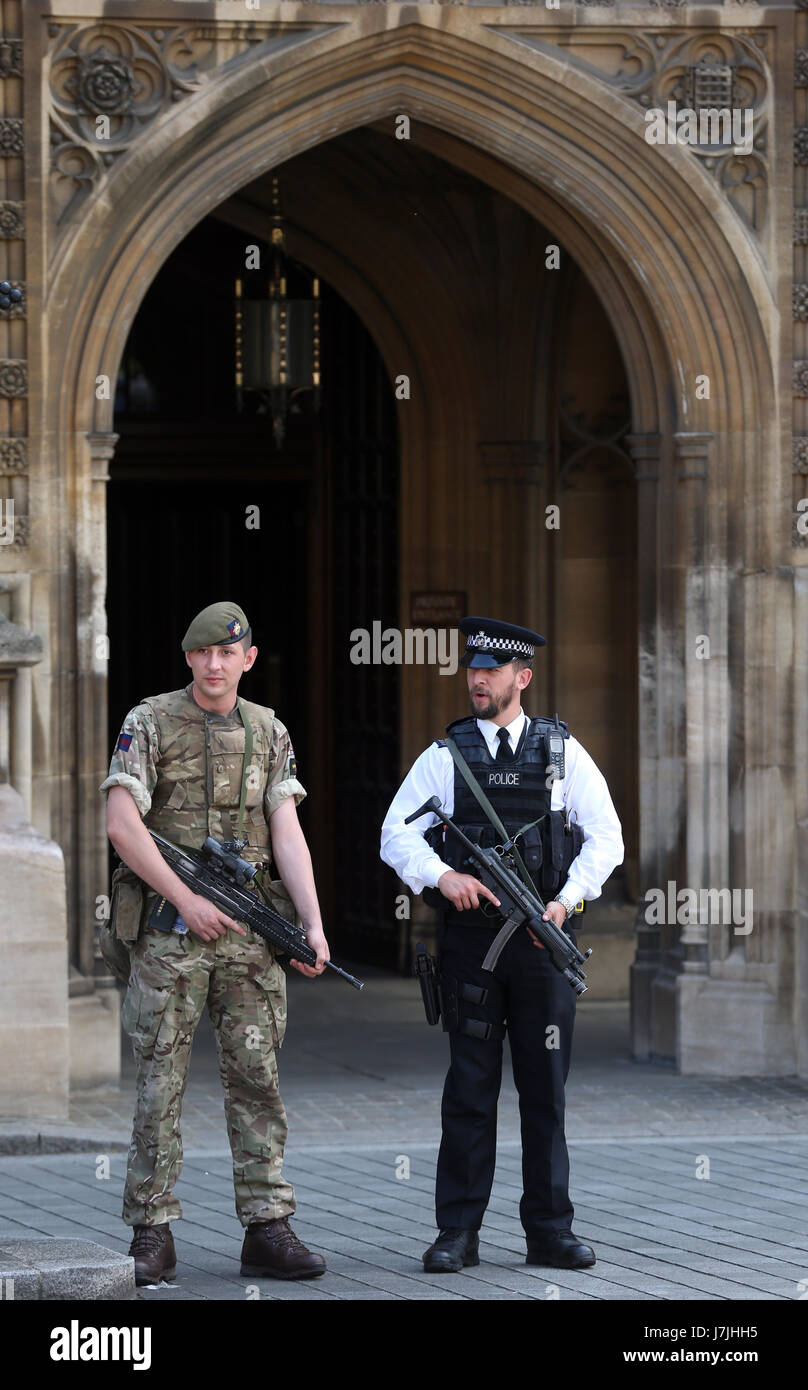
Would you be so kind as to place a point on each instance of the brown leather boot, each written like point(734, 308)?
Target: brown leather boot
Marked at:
point(271, 1247)
point(154, 1253)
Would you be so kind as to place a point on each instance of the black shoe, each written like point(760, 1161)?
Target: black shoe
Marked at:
point(560, 1249)
point(453, 1249)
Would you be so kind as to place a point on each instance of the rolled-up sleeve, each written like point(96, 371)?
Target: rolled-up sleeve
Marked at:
point(134, 760)
point(282, 781)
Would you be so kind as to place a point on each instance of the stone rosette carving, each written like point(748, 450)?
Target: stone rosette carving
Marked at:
point(12, 220)
point(110, 79)
point(801, 67)
point(800, 453)
point(19, 310)
point(126, 73)
point(13, 457)
point(13, 377)
point(801, 226)
point(801, 144)
point(22, 530)
point(10, 57)
point(11, 138)
point(103, 84)
point(799, 296)
point(800, 378)
point(656, 66)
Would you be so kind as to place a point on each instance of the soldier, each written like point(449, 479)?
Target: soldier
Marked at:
point(197, 762)
point(501, 757)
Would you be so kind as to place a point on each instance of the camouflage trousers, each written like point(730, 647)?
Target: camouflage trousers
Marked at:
point(172, 978)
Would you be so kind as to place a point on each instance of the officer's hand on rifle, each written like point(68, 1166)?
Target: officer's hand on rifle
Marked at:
point(205, 920)
point(557, 913)
point(463, 890)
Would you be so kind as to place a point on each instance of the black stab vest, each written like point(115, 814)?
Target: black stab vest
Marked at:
point(519, 792)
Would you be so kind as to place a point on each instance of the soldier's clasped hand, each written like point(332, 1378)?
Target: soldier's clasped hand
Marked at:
point(206, 921)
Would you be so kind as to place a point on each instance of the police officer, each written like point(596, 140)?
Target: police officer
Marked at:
point(192, 763)
point(515, 761)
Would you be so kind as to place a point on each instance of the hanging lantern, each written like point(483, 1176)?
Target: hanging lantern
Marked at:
point(278, 338)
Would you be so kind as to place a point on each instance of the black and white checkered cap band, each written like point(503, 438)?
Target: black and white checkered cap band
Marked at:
point(500, 644)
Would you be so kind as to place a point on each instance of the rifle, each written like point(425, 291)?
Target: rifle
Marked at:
point(219, 874)
point(519, 905)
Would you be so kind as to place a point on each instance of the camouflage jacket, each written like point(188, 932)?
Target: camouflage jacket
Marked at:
point(183, 766)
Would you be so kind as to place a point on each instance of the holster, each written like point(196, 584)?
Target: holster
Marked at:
point(427, 972)
point(454, 995)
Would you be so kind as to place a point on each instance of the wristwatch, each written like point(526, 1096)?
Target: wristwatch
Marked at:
point(568, 907)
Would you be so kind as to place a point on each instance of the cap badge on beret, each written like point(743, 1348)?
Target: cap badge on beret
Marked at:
point(234, 628)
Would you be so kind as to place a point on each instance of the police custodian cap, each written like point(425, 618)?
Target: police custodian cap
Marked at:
point(216, 626)
point(492, 643)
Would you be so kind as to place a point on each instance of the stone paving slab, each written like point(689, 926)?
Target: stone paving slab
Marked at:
point(355, 1068)
point(52, 1269)
point(702, 1240)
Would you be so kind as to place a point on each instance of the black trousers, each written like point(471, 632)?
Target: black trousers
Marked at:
point(530, 996)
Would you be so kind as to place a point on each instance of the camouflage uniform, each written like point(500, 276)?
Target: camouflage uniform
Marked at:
point(183, 766)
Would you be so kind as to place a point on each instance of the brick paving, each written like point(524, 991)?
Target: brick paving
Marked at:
point(361, 1076)
point(660, 1232)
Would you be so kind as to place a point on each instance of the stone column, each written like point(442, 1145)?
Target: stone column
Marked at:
point(94, 1001)
point(33, 919)
point(692, 451)
point(645, 453)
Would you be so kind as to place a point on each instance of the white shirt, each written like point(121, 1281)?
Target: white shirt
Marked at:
point(582, 790)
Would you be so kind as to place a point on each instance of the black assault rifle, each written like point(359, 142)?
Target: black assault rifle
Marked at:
point(219, 874)
point(519, 905)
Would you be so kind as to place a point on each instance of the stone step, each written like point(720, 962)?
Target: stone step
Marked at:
point(49, 1269)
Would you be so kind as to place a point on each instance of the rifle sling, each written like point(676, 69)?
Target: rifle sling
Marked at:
point(245, 767)
point(490, 814)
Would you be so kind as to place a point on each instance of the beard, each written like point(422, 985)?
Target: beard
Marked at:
point(495, 704)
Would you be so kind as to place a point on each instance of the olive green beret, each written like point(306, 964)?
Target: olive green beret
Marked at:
point(215, 626)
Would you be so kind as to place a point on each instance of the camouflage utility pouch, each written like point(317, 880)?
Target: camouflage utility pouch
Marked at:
point(117, 936)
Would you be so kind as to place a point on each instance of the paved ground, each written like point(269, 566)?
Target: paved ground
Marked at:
point(361, 1076)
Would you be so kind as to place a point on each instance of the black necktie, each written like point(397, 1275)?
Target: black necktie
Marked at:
point(504, 752)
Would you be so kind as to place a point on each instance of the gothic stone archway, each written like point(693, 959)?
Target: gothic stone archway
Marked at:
point(683, 278)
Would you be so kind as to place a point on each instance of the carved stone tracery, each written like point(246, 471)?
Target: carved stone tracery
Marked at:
point(690, 69)
point(12, 220)
point(10, 57)
point(13, 377)
point(112, 79)
point(12, 145)
point(13, 457)
point(800, 453)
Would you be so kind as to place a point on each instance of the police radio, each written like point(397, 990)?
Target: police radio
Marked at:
point(554, 749)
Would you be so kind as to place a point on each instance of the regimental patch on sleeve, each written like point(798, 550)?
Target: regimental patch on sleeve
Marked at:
point(292, 763)
point(124, 742)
